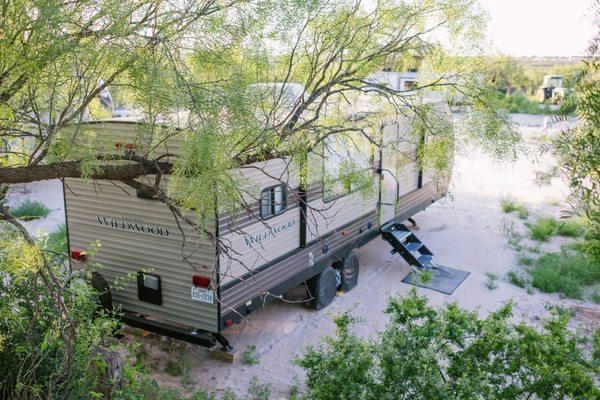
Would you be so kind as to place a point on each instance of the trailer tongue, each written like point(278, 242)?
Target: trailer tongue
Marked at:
point(417, 255)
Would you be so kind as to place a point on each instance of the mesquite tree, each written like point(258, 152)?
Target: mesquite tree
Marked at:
point(194, 70)
point(199, 58)
point(214, 76)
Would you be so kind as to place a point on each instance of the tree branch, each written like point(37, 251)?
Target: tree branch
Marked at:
point(72, 169)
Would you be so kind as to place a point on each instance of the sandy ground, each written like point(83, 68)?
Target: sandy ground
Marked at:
point(464, 231)
point(47, 192)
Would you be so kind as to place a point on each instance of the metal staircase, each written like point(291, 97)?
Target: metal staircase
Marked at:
point(408, 245)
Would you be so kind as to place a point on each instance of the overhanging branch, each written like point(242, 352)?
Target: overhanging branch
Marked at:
point(72, 169)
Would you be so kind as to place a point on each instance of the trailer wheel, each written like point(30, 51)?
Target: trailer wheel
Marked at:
point(102, 287)
point(322, 289)
point(348, 270)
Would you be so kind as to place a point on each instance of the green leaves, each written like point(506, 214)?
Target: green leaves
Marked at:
point(450, 353)
point(339, 368)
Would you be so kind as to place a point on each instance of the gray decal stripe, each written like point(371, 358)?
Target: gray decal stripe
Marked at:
point(227, 223)
point(269, 275)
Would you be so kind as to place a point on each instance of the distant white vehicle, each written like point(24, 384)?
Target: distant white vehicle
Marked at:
point(552, 90)
point(399, 81)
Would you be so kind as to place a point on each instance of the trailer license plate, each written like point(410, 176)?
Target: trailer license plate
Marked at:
point(203, 295)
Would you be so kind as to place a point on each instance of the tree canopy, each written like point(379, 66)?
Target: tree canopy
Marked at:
point(187, 67)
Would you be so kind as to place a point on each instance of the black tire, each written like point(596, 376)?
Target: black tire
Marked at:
point(102, 287)
point(349, 272)
point(321, 289)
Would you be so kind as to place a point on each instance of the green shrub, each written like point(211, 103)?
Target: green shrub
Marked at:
point(449, 353)
point(591, 243)
point(595, 296)
point(47, 350)
point(565, 272)
point(572, 227)
point(29, 210)
point(596, 347)
point(516, 278)
point(518, 103)
point(178, 367)
point(560, 310)
point(341, 366)
point(491, 281)
point(259, 391)
point(508, 206)
point(250, 356)
point(56, 242)
point(203, 395)
point(543, 229)
point(527, 261)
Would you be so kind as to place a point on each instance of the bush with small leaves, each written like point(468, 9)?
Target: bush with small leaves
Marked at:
point(29, 210)
point(178, 367)
point(509, 206)
point(450, 353)
point(517, 278)
point(491, 281)
point(543, 229)
point(250, 356)
point(571, 227)
point(259, 391)
point(565, 272)
point(595, 296)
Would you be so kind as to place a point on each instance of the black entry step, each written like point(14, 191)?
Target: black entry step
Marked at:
point(408, 245)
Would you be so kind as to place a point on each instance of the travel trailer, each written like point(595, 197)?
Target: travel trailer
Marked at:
point(189, 287)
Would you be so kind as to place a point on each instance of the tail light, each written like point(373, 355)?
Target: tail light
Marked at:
point(201, 281)
point(78, 255)
point(128, 146)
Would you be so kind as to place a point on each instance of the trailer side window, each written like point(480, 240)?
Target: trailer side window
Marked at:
point(346, 166)
point(273, 201)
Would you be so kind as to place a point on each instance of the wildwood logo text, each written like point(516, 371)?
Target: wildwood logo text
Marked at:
point(271, 232)
point(133, 226)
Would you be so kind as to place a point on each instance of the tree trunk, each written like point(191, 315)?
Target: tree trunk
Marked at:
point(72, 169)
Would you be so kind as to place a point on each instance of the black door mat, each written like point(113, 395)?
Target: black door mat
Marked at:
point(443, 279)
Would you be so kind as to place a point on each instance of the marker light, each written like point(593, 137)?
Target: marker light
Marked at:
point(78, 255)
point(201, 281)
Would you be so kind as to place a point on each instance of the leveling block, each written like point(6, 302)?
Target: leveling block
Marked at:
point(443, 279)
point(218, 353)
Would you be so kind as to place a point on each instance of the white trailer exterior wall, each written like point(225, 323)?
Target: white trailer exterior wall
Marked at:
point(259, 241)
point(269, 256)
point(138, 234)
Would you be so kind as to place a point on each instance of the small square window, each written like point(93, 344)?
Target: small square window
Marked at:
point(273, 201)
point(149, 288)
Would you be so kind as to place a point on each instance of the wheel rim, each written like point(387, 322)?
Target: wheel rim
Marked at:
point(338, 278)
